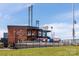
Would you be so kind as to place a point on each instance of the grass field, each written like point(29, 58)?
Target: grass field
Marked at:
point(46, 51)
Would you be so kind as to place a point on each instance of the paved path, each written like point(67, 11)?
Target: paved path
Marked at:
point(5, 49)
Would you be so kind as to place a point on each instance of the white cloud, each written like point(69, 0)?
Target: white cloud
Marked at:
point(64, 30)
point(1, 32)
point(8, 9)
point(13, 7)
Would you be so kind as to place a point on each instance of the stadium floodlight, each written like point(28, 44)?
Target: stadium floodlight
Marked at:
point(74, 21)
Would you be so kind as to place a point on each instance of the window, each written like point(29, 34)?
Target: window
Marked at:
point(29, 33)
point(34, 33)
point(39, 33)
point(43, 33)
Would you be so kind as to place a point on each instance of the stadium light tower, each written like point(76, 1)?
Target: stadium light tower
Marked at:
point(30, 15)
point(37, 23)
point(74, 22)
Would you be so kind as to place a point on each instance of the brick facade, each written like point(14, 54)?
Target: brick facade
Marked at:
point(23, 33)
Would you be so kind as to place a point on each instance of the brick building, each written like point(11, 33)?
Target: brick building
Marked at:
point(25, 33)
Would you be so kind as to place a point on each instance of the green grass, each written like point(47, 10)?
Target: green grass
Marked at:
point(47, 51)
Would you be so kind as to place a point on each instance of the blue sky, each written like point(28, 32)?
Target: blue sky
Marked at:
point(57, 15)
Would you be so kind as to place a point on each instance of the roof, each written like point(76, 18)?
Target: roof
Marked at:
point(27, 27)
point(46, 30)
point(20, 26)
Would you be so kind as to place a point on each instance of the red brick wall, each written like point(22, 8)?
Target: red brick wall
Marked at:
point(16, 33)
point(11, 36)
point(19, 33)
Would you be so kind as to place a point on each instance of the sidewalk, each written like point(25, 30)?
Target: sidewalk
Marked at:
point(5, 49)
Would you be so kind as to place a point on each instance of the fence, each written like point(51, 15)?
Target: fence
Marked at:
point(37, 44)
point(33, 44)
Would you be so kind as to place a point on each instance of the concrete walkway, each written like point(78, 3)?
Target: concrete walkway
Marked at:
point(6, 49)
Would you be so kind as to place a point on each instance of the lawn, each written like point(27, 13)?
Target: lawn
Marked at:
point(46, 51)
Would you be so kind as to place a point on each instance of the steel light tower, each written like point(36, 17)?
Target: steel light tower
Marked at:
point(74, 22)
point(30, 15)
point(37, 23)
